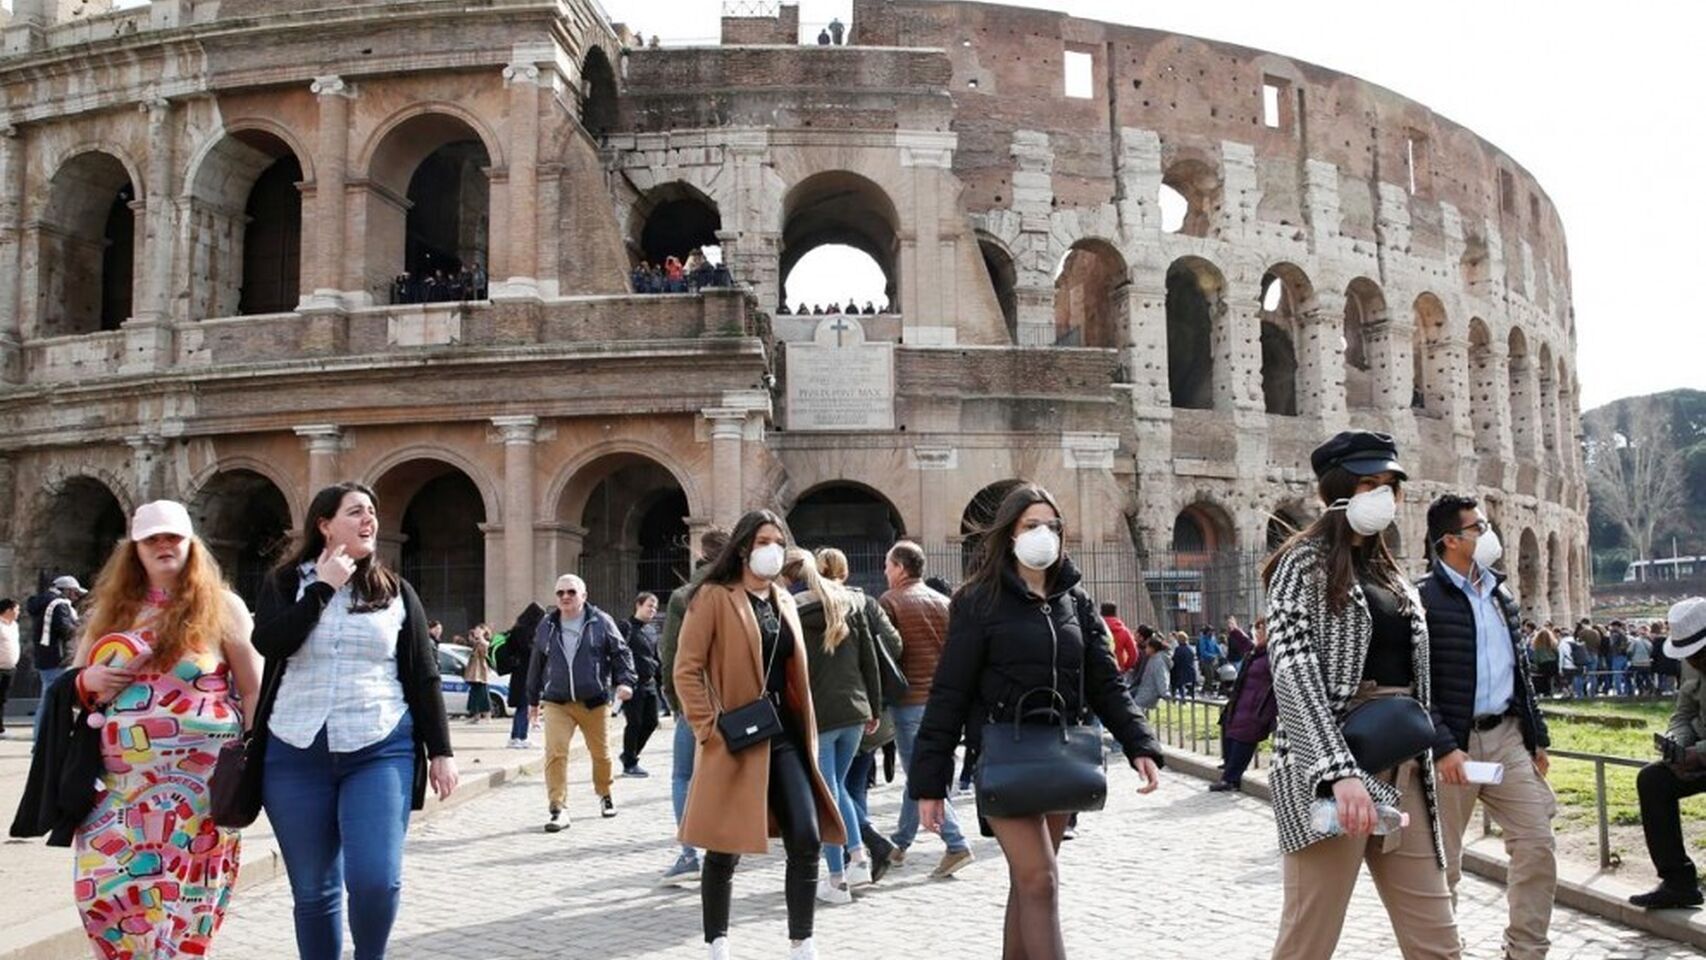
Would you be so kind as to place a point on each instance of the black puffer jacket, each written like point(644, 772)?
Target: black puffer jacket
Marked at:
point(1000, 648)
point(1451, 635)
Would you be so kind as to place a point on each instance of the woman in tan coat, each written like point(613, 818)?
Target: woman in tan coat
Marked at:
point(740, 641)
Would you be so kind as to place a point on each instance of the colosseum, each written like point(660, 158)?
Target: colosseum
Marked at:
point(206, 205)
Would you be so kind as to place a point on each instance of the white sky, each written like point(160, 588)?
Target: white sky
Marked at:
point(1597, 102)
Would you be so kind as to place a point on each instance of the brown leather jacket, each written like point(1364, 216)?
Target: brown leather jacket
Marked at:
point(921, 616)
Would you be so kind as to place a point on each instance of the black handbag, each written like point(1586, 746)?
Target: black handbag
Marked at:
point(234, 789)
point(1027, 769)
point(1384, 732)
point(755, 722)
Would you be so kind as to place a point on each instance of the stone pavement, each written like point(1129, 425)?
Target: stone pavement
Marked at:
point(1178, 874)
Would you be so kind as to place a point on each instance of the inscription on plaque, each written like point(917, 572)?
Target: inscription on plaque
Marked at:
point(838, 381)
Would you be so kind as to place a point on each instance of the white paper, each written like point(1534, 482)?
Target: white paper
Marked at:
point(1480, 771)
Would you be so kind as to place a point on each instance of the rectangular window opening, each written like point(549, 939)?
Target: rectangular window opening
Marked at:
point(1416, 160)
point(1080, 75)
point(1271, 105)
point(1507, 192)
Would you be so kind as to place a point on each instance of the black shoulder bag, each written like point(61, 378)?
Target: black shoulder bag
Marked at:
point(755, 722)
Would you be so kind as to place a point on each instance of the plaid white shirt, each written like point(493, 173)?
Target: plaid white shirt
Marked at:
point(344, 677)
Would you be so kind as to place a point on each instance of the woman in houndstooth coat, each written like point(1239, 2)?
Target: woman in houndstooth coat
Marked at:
point(1346, 626)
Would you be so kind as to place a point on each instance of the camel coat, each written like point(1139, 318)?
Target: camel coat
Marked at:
point(728, 800)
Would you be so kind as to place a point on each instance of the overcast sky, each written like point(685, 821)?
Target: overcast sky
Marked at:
point(1599, 103)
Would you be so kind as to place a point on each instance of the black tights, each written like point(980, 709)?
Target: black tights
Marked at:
point(1032, 930)
point(795, 807)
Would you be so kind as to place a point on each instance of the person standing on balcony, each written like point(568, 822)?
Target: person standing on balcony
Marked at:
point(1486, 711)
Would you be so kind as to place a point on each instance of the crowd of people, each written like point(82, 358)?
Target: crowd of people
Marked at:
point(1388, 700)
point(441, 286)
point(674, 275)
point(1614, 659)
point(870, 309)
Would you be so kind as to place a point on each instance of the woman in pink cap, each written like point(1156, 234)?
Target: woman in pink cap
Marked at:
point(164, 643)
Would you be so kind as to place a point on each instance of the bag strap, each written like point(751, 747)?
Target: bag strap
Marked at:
point(266, 696)
point(764, 679)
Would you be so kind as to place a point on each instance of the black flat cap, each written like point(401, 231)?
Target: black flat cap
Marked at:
point(1362, 452)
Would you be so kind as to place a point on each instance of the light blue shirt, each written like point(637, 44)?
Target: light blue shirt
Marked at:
point(1495, 658)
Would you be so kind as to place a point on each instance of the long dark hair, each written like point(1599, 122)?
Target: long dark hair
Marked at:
point(726, 569)
point(373, 586)
point(1346, 560)
point(995, 542)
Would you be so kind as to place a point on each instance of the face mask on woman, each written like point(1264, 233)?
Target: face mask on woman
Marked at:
point(766, 561)
point(1037, 548)
point(1371, 511)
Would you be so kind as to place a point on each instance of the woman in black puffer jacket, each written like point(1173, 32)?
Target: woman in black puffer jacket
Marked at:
point(1020, 623)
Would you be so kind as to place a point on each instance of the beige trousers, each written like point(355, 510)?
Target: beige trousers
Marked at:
point(561, 722)
point(1523, 807)
point(1319, 880)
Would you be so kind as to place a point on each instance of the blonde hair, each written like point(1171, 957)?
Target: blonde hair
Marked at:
point(197, 616)
point(832, 563)
point(801, 566)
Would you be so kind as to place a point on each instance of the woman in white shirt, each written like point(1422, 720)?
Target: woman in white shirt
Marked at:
point(8, 654)
point(354, 728)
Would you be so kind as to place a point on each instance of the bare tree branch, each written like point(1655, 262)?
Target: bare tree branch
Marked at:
point(1637, 476)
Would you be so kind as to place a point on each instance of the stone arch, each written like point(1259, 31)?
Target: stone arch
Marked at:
point(448, 458)
point(671, 220)
point(845, 208)
point(599, 106)
point(1196, 317)
point(1003, 279)
point(1365, 312)
point(626, 514)
point(570, 487)
point(1528, 570)
point(87, 249)
point(853, 517)
point(433, 515)
point(1198, 185)
point(1090, 290)
point(1484, 388)
point(245, 223)
point(78, 520)
point(1203, 526)
point(1522, 400)
point(1285, 293)
point(295, 496)
point(1431, 381)
point(428, 194)
point(245, 519)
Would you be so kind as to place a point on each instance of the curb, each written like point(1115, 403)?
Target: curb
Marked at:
point(59, 935)
point(1591, 892)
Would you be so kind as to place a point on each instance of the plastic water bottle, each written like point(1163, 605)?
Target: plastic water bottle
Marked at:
point(1324, 818)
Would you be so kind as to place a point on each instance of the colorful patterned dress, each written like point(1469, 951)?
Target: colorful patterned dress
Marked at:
point(153, 872)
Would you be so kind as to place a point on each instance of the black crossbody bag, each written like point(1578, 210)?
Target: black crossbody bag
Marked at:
point(755, 722)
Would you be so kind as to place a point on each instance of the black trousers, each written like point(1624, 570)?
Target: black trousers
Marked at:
point(1661, 790)
point(641, 711)
point(795, 807)
point(5, 688)
point(1237, 754)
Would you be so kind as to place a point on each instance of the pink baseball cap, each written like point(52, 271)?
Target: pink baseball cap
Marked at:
point(161, 516)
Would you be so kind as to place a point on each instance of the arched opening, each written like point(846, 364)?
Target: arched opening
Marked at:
point(1484, 388)
point(1196, 307)
point(979, 513)
point(1548, 428)
point(1522, 399)
point(1528, 563)
point(854, 519)
point(635, 517)
point(1557, 587)
point(433, 246)
point(86, 260)
point(832, 212)
point(1090, 287)
point(1365, 309)
point(1284, 290)
point(430, 515)
point(1429, 379)
point(246, 227)
point(1004, 279)
point(673, 220)
point(1201, 582)
point(82, 524)
point(598, 93)
point(245, 521)
point(1190, 198)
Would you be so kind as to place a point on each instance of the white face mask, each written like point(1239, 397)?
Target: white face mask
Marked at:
point(1037, 548)
point(766, 561)
point(1370, 512)
point(1488, 549)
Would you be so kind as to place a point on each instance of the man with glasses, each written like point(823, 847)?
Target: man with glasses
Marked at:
point(1485, 710)
point(578, 657)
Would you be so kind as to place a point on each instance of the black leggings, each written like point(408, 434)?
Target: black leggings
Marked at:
point(795, 807)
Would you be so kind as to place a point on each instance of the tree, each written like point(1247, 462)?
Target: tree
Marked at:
point(1637, 477)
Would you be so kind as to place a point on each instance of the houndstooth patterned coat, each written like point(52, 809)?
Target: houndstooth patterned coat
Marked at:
point(1317, 658)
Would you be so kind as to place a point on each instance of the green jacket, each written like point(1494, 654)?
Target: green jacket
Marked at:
point(889, 637)
point(674, 612)
point(846, 686)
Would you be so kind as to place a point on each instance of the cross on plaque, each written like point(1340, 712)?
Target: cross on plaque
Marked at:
point(840, 326)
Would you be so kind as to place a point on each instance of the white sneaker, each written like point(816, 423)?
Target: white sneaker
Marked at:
point(859, 874)
point(720, 948)
point(828, 891)
point(802, 950)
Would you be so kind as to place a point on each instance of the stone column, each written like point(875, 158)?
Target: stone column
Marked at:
point(26, 30)
point(1321, 359)
point(727, 427)
point(1381, 341)
point(1088, 456)
point(155, 288)
point(938, 519)
point(331, 165)
point(518, 434)
point(323, 441)
point(11, 254)
point(148, 465)
point(522, 79)
point(1033, 201)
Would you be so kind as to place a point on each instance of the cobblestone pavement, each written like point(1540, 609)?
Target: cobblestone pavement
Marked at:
point(1179, 873)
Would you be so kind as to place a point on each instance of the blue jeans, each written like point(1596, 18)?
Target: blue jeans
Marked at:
point(340, 820)
point(858, 784)
point(906, 723)
point(835, 752)
point(518, 723)
point(1620, 675)
point(48, 676)
point(681, 772)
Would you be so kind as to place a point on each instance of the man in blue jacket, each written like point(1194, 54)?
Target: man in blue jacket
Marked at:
point(578, 657)
point(1485, 710)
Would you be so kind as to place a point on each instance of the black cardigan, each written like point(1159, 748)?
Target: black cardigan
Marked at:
point(1451, 640)
point(1000, 648)
point(282, 625)
point(65, 765)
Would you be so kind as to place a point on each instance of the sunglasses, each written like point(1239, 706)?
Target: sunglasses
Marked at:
point(567, 593)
